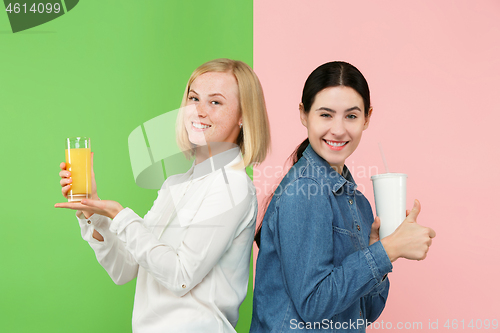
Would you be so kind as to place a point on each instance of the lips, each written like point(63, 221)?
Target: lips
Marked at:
point(336, 145)
point(199, 126)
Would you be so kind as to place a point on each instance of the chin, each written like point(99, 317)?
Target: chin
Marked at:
point(197, 141)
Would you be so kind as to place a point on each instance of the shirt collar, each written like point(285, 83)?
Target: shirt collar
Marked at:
point(323, 168)
point(226, 159)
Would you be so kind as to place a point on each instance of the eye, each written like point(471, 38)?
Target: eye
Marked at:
point(192, 98)
point(325, 115)
point(352, 116)
point(215, 102)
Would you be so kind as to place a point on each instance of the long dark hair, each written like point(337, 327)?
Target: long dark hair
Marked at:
point(331, 74)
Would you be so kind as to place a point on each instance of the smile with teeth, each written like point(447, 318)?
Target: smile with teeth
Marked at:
point(200, 125)
point(336, 143)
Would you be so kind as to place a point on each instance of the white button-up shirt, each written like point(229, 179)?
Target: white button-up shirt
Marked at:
point(190, 253)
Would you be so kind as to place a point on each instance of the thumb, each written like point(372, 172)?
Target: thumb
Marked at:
point(414, 211)
point(376, 223)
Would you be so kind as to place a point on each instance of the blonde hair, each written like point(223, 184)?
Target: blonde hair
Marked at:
point(254, 139)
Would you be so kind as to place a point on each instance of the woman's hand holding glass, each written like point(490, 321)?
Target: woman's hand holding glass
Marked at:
point(66, 179)
point(91, 206)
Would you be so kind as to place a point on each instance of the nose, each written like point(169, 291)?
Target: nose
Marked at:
point(338, 128)
point(201, 110)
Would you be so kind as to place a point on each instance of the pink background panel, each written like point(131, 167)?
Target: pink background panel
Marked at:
point(433, 68)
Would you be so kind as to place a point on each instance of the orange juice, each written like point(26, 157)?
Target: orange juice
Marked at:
point(78, 163)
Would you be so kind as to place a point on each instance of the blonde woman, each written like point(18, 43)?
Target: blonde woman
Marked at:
point(191, 251)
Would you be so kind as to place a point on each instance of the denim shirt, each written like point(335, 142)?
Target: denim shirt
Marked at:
point(315, 271)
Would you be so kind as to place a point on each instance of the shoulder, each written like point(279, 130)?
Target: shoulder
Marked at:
point(174, 179)
point(229, 186)
point(304, 203)
point(302, 192)
point(297, 178)
point(236, 179)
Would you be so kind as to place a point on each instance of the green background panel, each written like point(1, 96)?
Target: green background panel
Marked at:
point(99, 71)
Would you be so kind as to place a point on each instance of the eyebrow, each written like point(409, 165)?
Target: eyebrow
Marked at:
point(211, 95)
point(323, 108)
point(217, 94)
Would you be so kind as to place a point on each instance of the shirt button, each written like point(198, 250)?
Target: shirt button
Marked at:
point(360, 314)
point(89, 222)
point(359, 228)
point(350, 201)
point(183, 286)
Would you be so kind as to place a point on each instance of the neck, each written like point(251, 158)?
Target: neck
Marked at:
point(338, 168)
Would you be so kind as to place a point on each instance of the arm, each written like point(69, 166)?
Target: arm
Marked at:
point(410, 241)
point(110, 252)
point(206, 240)
point(304, 238)
point(375, 300)
point(95, 234)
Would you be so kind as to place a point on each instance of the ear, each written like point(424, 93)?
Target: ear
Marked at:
point(367, 118)
point(303, 115)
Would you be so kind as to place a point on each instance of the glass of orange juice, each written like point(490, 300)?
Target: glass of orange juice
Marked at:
point(78, 163)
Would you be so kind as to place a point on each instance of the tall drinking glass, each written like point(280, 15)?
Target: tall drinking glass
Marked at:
point(390, 201)
point(78, 163)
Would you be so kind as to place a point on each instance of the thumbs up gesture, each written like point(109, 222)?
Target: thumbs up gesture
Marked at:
point(410, 240)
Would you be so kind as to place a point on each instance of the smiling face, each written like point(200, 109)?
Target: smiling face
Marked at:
point(335, 124)
point(216, 115)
